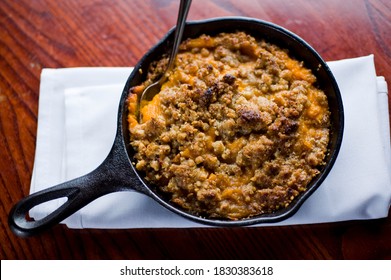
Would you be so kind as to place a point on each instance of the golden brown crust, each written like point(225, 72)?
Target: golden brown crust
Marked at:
point(239, 129)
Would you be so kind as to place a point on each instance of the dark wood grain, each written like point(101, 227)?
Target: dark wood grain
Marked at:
point(47, 33)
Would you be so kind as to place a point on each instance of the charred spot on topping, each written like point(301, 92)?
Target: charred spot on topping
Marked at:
point(217, 89)
point(285, 126)
point(251, 119)
point(249, 115)
point(289, 126)
point(229, 79)
point(207, 96)
point(208, 93)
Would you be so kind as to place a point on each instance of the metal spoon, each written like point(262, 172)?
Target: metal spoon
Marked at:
point(155, 87)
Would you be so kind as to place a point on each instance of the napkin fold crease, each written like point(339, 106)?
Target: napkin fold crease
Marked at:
point(77, 123)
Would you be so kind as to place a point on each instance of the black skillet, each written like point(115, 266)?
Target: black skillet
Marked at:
point(117, 172)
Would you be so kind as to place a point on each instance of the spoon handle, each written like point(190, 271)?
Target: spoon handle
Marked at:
point(184, 8)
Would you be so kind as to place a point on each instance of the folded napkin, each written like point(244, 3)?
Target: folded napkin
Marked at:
point(77, 124)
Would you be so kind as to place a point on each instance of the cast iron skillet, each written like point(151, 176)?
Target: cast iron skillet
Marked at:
point(117, 172)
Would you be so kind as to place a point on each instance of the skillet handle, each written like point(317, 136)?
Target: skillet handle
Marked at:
point(114, 174)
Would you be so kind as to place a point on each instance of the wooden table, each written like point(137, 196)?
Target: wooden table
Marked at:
point(48, 33)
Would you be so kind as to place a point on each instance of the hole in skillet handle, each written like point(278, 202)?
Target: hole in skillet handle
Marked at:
point(298, 49)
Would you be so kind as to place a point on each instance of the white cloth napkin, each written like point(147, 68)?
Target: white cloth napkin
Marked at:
point(77, 122)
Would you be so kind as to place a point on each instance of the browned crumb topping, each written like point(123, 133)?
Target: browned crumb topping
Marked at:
point(239, 129)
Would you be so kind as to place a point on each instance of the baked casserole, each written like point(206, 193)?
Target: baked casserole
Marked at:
point(239, 128)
